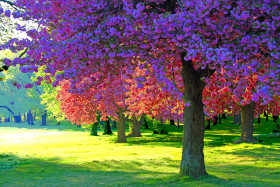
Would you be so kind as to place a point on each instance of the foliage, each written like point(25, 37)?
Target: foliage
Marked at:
point(94, 41)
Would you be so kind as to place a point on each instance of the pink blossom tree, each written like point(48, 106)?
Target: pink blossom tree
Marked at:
point(85, 37)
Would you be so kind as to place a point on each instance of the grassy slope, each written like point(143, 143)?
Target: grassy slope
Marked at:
point(68, 156)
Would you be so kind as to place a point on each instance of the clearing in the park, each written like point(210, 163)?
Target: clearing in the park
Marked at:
point(67, 156)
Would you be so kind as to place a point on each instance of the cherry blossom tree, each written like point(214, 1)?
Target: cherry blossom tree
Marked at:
point(84, 37)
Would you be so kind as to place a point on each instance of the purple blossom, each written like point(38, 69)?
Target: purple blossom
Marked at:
point(7, 13)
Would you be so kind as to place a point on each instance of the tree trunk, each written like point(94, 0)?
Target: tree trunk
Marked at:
point(0, 120)
point(172, 122)
point(224, 116)
point(145, 123)
point(17, 119)
point(192, 163)
point(31, 118)
point(237, 119)
point(19, 114)
point(107, 128)
point(178, 122)
point(7, 120)
point(135, 127)
point(266, 119)
point(264, 113)
point(34, 117)
point(94, 129)
point(208, 124)
point(247, 123)
point(220, 119)
point(275, 118)
point(121, 129)
point(24, 117)
point(215, 120)
point(28, 118)
point(114, 124)
point(44, 118)
point(259, 119)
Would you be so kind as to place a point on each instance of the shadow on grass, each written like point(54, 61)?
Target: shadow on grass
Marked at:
point(17, 171)
point(259, 153)
point(172, 140)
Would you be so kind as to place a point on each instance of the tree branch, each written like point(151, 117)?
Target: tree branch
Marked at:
point(10, 3)
point(7, 109)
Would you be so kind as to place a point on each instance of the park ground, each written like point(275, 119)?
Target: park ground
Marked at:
point(67, 155)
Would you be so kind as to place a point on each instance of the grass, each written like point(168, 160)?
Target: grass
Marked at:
point(66, 155)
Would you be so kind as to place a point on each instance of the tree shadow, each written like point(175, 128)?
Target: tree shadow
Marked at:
point(149, 172)
point(172, 140)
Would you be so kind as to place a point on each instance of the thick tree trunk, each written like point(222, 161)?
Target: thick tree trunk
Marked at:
point(121, 129)
point(0, 120)
point(135, 127)
point(172, 122)
point(208, 124)
point(192, 163)
point(107, 128)
point(93, 131)
point(259, 119)
point(44, 118)
point(247, 123)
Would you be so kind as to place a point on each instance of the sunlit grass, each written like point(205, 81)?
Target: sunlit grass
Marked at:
point(66, 155)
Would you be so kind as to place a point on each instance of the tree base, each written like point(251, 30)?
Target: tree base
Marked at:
point(134, 135)
point(194, 174)
point(121, 141)
point(107, 133)
point(245, 140)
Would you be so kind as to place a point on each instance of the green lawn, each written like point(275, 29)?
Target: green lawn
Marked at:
point(66, 155)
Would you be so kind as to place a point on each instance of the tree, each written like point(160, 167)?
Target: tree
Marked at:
point(13, 100)
point(86, 37)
